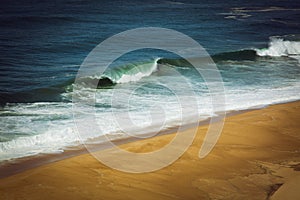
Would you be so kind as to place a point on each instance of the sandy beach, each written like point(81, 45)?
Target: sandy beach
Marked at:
point(256, 157)
point(124, 100)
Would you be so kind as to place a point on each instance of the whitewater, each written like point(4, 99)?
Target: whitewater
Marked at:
point(269, 77)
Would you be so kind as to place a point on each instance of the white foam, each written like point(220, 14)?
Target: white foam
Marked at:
point(49, 127)
point(280, 47)
point(51, 141)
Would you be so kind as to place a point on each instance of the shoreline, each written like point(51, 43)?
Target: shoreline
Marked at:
point(257, 157)
point(19, 165)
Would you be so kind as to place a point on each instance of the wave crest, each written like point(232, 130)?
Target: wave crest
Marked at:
point(131, 73)
point(123, 74)
point(282, 46)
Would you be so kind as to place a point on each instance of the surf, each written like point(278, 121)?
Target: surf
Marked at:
point(132, 72)
point(279, 46)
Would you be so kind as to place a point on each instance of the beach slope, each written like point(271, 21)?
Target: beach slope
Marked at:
point(257, 157)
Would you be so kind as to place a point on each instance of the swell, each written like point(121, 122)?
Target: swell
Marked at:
point(122, 74)
point(135, 72)
point(47, 94)
point(279, 46)
point(118, 75)
point(240, 55)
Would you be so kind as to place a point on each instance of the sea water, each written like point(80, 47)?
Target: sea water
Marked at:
point(256, 48)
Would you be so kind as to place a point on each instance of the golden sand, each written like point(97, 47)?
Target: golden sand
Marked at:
point(256, 157)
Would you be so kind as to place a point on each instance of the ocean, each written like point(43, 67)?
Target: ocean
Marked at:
point(256, 47)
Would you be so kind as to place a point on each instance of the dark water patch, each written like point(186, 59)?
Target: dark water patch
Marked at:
point(236, 55)
point(37, 95)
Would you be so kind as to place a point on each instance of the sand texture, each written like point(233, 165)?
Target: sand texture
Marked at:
point(256, 157)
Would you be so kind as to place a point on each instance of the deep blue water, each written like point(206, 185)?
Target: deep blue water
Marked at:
point(43, 43)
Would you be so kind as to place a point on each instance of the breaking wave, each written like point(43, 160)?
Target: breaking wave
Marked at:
point(282, 46)
point(122, 74)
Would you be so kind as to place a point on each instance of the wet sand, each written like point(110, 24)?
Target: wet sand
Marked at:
point(256, 157)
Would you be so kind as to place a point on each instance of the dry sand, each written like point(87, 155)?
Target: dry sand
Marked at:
point(256, 157)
